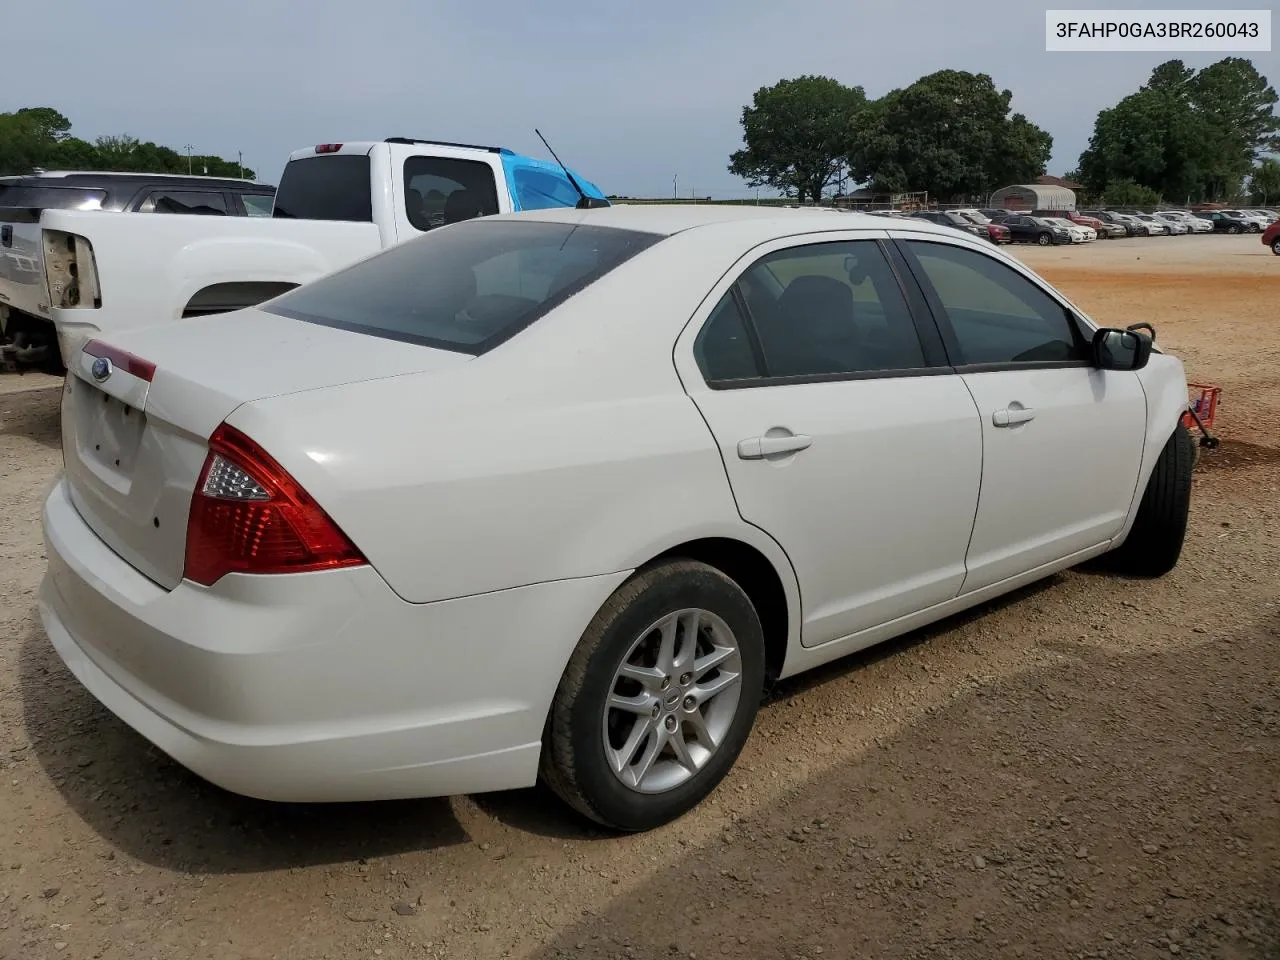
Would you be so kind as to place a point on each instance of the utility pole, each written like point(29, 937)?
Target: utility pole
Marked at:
point(189, 149)
point(240, 158)
point(675, 195)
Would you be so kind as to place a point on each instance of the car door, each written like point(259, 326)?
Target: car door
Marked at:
point(843, 434)
point(1062, 439)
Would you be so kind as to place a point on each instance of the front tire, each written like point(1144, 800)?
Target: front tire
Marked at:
point(658, 698)
point(1155, 542)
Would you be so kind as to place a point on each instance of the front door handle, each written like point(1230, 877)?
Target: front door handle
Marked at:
point(758, 448)
point(1011, 416)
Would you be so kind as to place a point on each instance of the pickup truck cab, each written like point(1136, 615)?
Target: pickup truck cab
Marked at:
point(24, 294)
point(336, 203)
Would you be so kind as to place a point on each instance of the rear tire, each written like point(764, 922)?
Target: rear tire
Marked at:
point(1233, 229)
point(587, 754)
point(1155, 542)
point(1044, 239)
point(1275, 246)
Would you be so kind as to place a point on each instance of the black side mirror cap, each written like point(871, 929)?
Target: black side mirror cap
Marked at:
point(1115, 349)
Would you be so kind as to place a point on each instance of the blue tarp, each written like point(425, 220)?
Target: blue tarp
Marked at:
point(539, 184)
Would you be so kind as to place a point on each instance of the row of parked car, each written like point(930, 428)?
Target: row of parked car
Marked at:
point(1047, 227)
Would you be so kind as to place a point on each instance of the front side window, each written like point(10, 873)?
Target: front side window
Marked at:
point(185, 201)
point(466, 288)
point(440, 190)
point(823, 309)
point(996, 314)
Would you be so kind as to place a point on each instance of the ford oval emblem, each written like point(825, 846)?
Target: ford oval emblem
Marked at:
point(101, 368)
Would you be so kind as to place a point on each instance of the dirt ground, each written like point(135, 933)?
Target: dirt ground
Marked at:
point(1089, 768)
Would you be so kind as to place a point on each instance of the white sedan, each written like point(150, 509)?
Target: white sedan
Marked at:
point(1079, 232)
point(558, 494)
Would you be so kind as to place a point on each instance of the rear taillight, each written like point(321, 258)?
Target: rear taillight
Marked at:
point(249, 516)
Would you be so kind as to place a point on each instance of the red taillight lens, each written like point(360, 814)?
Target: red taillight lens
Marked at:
point(249, 516)
point(328, 147)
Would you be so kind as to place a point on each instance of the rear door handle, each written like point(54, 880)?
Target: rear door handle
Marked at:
point(758, 448)
point(1011, 416)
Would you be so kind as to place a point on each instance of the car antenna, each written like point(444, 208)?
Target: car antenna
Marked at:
point(584, 202)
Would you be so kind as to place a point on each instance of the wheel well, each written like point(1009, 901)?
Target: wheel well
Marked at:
point(752, 571)
point(235, 295)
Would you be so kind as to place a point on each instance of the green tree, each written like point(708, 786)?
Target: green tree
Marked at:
point(1186, 134)
point(40, 137)
point(1264, 184)
point(796, 135)
point(1126, 193)
point(949, 133)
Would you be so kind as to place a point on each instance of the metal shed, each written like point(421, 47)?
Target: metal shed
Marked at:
point(1034, 196)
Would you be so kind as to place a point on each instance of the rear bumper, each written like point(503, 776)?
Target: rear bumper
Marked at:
point(315, 687)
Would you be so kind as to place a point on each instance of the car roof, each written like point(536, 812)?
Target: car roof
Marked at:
point(668, 219)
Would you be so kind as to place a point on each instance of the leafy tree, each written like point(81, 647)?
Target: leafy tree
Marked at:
point(1126, 193)
point(796, 135)
point(1264, 184)
point(1186, 133)
point(949, 133)
point(41, 137)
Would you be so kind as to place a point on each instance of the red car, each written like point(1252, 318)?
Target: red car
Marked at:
point(998, 233)
point(1271, 237)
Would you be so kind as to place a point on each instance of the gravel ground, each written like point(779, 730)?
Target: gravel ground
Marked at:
point(1089, 768)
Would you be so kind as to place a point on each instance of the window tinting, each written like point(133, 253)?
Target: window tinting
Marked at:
point(466, 288)
point(326, 187)
point(723, 349)
point(997, 315)
point(830, 308)
point(440, 190)
point(51, 198)
point(183, 201)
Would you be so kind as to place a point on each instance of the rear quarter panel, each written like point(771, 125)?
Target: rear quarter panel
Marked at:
point(570, 451)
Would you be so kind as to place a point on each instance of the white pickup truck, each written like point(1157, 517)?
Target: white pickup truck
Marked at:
point(336, 203)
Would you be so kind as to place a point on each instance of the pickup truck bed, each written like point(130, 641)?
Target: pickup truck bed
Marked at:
point(336, 204)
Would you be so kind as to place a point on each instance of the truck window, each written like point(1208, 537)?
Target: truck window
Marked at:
point(439, 190)
point(257, 204)
point(51, 198)
point(332, 187)
point(185, 201)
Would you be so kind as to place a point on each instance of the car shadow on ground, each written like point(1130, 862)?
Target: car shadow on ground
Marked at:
point(1111, 804)
point(150, 808)
point(33, 414)
point(156, 811)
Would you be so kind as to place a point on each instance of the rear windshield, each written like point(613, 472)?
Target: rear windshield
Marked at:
point(467, 286)
point(335, 187)
point(51, 198)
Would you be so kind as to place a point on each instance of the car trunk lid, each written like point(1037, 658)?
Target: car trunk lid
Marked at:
point(137, 414)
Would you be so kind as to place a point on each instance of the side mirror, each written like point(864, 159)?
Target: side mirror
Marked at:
point(1115, 349)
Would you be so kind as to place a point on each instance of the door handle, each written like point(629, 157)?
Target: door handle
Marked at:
point(758, 448)
point(1011, 416)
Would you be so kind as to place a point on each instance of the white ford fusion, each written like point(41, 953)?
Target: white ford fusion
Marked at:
point(557, 494)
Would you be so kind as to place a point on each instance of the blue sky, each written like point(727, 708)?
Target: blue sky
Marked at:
point(630, 94)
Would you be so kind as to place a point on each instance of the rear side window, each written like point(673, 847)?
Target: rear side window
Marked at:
point(440, 190)
point(333, 187)
point(467, 288)
point(183, 201)
point(51, 198)
point(257, 204)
